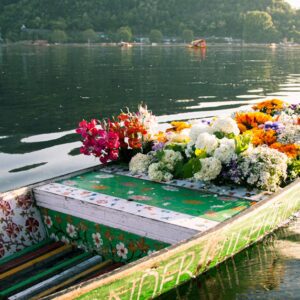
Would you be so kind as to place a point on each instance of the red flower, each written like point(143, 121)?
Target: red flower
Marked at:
point(5, 207)
point(12, 230)
point(24, 201)
point(32, 225)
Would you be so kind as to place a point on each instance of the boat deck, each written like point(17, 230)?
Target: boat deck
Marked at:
point(163, 214)
point(47, 267)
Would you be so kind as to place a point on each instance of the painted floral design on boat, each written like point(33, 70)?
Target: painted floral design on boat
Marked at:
point(20, 222)
point(111, 243)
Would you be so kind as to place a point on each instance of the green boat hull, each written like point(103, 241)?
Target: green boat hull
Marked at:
point(162, 271)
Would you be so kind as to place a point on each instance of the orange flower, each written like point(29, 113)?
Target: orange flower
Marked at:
point(251, 120)
point(269, 106)
point(261, 136)
point(178, 126)
point(160, 137)
point(291, 150)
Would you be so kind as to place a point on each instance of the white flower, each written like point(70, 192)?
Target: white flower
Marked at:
point(122, 251)
point(264, 168)
point(97, 239)
point(226, 125)
point(151, 252)
point(178, 137)
point(198, 129)
point(207, 142)
point(139, 163)
point(71, 230)
point(210, 169)
point(226, 151)
point(53, 236)
point(170, 158)
point(290, 135)
point(148, 120)
point(158, 172)
point(48, 221)
point(65, 240)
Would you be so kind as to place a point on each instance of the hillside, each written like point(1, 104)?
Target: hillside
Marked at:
point(236, 18)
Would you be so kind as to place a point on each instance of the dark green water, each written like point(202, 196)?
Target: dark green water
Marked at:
point(45, 91)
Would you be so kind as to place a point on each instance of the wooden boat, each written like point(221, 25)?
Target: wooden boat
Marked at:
point(124, 45)
point(200, 43)
point(141, 238)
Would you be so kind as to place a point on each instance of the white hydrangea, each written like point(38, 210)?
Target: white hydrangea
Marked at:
point(286, 119)
point(197, 129)
point(210, 169)
point(290, 135)
point(178, 137)
point(207, 141)
point(157, 172)
point(226, 151)
point(264, 167)
point(170, 158)
point(226, 125)
point(139, 163)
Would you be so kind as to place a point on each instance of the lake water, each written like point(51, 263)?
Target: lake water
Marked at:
point(46, 91)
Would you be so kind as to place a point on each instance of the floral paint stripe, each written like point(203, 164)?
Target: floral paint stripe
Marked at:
point(130, 207)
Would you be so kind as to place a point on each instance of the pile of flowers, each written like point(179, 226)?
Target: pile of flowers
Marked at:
point(117, 138)
point(257, 148)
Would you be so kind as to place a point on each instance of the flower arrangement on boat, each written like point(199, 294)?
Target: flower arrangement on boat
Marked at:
point(257, 148)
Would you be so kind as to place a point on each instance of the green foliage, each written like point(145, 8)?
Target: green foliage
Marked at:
point(124, 34)
point(187, 35)
point(273, 18)
point(259, 27)
point(191, 167)
point(294, 168)
point(155, 36)
point(89, 35)
point(58, 36)
point(242, 142)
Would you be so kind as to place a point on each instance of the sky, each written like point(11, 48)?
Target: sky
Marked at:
point(294, 3)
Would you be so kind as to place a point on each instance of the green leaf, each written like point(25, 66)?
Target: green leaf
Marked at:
point(191, 167)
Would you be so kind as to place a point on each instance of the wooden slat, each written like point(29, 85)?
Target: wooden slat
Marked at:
point(29, 256)
point(71, 280)
point(43, 274)
point(55, 280)
point(23, 252)
point(34, 261)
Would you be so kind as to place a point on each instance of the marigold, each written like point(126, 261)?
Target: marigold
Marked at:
point(291, 150)
point(269, 106)
point(247, 121)
point(178, 126)
point(261, 136)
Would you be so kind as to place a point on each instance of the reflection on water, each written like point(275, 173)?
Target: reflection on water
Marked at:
point(45, 91)
point(267, 270)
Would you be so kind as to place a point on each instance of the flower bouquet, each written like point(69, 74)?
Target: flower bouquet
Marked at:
point(257, 148)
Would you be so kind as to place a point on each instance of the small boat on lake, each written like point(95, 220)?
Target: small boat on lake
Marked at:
point(125, 45)
point(200, 43)
point(109, 232)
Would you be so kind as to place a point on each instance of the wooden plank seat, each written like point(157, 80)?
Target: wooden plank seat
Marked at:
point(162, 212)
point(47, 267)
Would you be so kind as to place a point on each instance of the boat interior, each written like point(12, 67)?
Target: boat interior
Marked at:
point(69, 230)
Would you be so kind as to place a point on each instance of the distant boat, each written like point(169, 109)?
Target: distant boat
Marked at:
point(125, 45)
point(201, 43)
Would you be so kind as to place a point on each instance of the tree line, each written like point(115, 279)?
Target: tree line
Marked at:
point(83, 20)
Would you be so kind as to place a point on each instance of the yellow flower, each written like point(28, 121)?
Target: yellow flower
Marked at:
point(178, 126)
point(200, 152)
point(269, 106)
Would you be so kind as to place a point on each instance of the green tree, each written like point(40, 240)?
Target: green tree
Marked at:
point(155, 36)
point(89, 35)
point(187, 35)
point(124, 34)
point(258, 27)
point(58, 36)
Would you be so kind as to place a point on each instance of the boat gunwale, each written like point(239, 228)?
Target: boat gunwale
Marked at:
point(73, 292)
